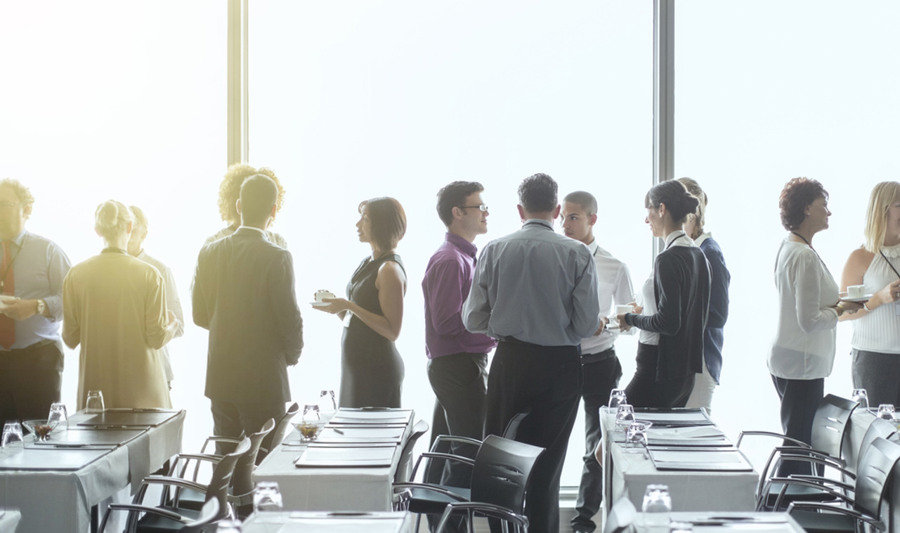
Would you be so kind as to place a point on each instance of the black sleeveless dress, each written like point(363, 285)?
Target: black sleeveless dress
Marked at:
point(371, 368)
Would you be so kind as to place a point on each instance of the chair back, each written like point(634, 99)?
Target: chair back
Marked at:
point(512, 427)
point(505, 517)
point(405, 465)
point(876, 465)
point(208, 514)
point(621, 516)
point(830, 424)
point(242, 481)
point(222, 474)
point(502, 472)
point(279, 433)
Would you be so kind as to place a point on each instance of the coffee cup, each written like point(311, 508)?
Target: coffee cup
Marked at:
point(855, 291)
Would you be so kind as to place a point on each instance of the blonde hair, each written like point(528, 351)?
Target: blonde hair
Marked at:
point(230, 190)
point(694, 188)
point(111, 219)
point(883, 195)
point(140, 219)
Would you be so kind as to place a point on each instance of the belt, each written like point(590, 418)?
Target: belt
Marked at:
point(608, 353)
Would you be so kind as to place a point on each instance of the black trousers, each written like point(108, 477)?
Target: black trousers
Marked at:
point(645, 390)
point(459, 382)
point(879, 374)
point(545, 380)
point(231, 419)
point(799, 400)
point(30, 380)
point(600, 374)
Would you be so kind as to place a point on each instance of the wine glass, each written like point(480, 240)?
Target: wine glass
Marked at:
point(861, 397)
point(267, 496)
point(657, 499)
point(327, 405)
point(636, 436)
point(58, 415)
point(12, 435)
point(616, 398)
point(624, 416)
point(309, 423)
point(886, 411)
point(94, 402)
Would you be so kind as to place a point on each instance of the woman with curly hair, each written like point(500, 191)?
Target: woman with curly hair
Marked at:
point(230, 191)
point(802, 353)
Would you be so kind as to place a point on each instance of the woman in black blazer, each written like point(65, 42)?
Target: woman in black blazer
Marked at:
point(665, 373)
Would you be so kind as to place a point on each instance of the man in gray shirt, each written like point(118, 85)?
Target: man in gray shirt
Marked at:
point(536, 292)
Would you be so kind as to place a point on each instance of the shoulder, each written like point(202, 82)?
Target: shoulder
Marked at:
point(860, 259)
point(391, 269)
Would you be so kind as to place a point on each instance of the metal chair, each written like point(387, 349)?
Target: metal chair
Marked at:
point(503, 516)
point(276, 437)
point(404, 467)
point(620, 517)
point(209, 513)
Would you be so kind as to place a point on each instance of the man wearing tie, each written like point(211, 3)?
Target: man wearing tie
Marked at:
point(536, 291)
point(243, 293)
point(31, 276)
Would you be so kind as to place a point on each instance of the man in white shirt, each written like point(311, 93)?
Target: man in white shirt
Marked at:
point(600, 368)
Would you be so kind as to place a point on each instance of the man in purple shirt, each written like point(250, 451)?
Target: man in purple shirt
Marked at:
point(457, 359)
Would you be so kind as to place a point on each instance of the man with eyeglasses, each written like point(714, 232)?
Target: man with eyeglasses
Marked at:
point(457, 359)
point(31, 277)
point(536, 291)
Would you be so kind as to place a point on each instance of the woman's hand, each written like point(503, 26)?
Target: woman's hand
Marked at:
point(890, 293)
point(844, 306)
point(623, 326)
point(333, 305)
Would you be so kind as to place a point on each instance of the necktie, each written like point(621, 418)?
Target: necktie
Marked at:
point(7, 325)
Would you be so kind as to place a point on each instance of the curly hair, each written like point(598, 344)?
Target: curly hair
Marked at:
point(22, 192)
point(537, 193)
point(230, 190)
point(797, 195)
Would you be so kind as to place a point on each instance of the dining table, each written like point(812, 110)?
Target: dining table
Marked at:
point(686, 451)
point(328, 522)
point(61, 484)
point(716, 522)
point(349, 467)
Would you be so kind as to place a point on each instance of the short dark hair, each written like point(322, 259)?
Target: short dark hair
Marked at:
point(679, 202)
point(796, 196)
point(388, 221)
point(537, 193)
point(258, 195)
point(584, 199)
point(454, 195)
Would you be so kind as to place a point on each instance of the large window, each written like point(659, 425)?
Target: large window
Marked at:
point(354, 100)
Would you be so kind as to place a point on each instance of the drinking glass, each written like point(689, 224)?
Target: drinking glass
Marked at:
point(861, 397)
point(680, 527)
point(657, 499)
point(267, 496)
point(229, 526)
point(616, 398)
point(886, 411)
point(94, 402)
point(624, 416)
point(327, 405)
point(58, 415)
point(310, 423)
point(636, 436)
point(12, 435)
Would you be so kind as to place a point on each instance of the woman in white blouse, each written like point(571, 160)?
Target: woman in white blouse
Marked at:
point(876, 328)
point(802, 353)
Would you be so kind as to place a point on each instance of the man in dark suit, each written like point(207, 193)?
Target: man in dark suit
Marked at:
point(243, 293)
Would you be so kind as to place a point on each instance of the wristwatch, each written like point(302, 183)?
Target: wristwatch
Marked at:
point(41, 307)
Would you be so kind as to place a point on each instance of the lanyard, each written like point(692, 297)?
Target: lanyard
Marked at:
point(814, 251)
point(888, 261)
point(683, 234)
point(9, 265)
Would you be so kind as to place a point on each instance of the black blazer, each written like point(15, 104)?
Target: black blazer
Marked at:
point(243, 293)
point(681, 285)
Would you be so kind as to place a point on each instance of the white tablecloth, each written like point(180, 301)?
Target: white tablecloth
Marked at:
point(707, 522)
point(628, 474)
point(288, 522)
point(9, 519)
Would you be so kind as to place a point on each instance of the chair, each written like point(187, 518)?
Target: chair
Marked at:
point(829, 429)
point(506, 518)
point(240, 493)
point(620, 517)
point(404, 467)
point(216, 489)
point(282, 427)
point(876, 467)
point(501, 472)
point(209, 513)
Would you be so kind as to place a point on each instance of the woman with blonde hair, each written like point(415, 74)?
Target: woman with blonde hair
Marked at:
point(114, 306)
point(230, 191)
point(876, 328)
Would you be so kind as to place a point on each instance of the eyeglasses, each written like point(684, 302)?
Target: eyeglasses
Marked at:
point(481, 207)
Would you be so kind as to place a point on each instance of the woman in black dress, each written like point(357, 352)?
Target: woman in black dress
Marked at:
point(371, 367)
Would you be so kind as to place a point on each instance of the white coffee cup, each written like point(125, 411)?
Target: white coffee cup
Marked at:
point(622, 309)
point(856, 291)
point(322, 294)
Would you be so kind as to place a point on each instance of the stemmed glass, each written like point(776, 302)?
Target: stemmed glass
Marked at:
point(327, 405)
point(267, 496)
point(58, 415)
point(861, 397)
point(624, 416)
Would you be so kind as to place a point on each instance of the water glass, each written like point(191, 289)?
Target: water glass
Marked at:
point(636, 436)
point(327, 405)
point(861, 397)
point(624, 416)
point(680, 527)
point(59, 416)
point(267, 496)
point(886, 411)
point(229, 526)
point(12, 435)
point(616, 398)
point(94, 402)
point(657, 499)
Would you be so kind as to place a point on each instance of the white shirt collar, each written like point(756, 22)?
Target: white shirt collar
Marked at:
point(702, 237)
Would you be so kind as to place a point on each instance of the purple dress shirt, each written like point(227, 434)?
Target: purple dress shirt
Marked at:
point(448, 278)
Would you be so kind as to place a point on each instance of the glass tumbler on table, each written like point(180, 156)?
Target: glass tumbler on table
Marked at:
point(657, 499)
point(327, 405)
point(616, 398)
point(861, 397)
point(886, 411)
point(12, 435)
point(58, 415)
point(94, 402)
point(267, 496)
point(624, 416)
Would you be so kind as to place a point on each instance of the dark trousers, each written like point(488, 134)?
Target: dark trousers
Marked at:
point(799, 400)
point(232, 419)
point(459, 382)
point(600, 374)
point(879, 374)
point(545, 380)
point(645, 390)
point(30, 380)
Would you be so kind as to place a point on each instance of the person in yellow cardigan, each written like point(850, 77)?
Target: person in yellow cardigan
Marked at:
point(114, 306)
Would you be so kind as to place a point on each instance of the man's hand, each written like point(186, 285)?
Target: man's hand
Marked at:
point(20, 309)
point(603, 322)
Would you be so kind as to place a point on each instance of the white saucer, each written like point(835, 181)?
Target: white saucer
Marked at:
point(318, 304)
point(862, 299)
